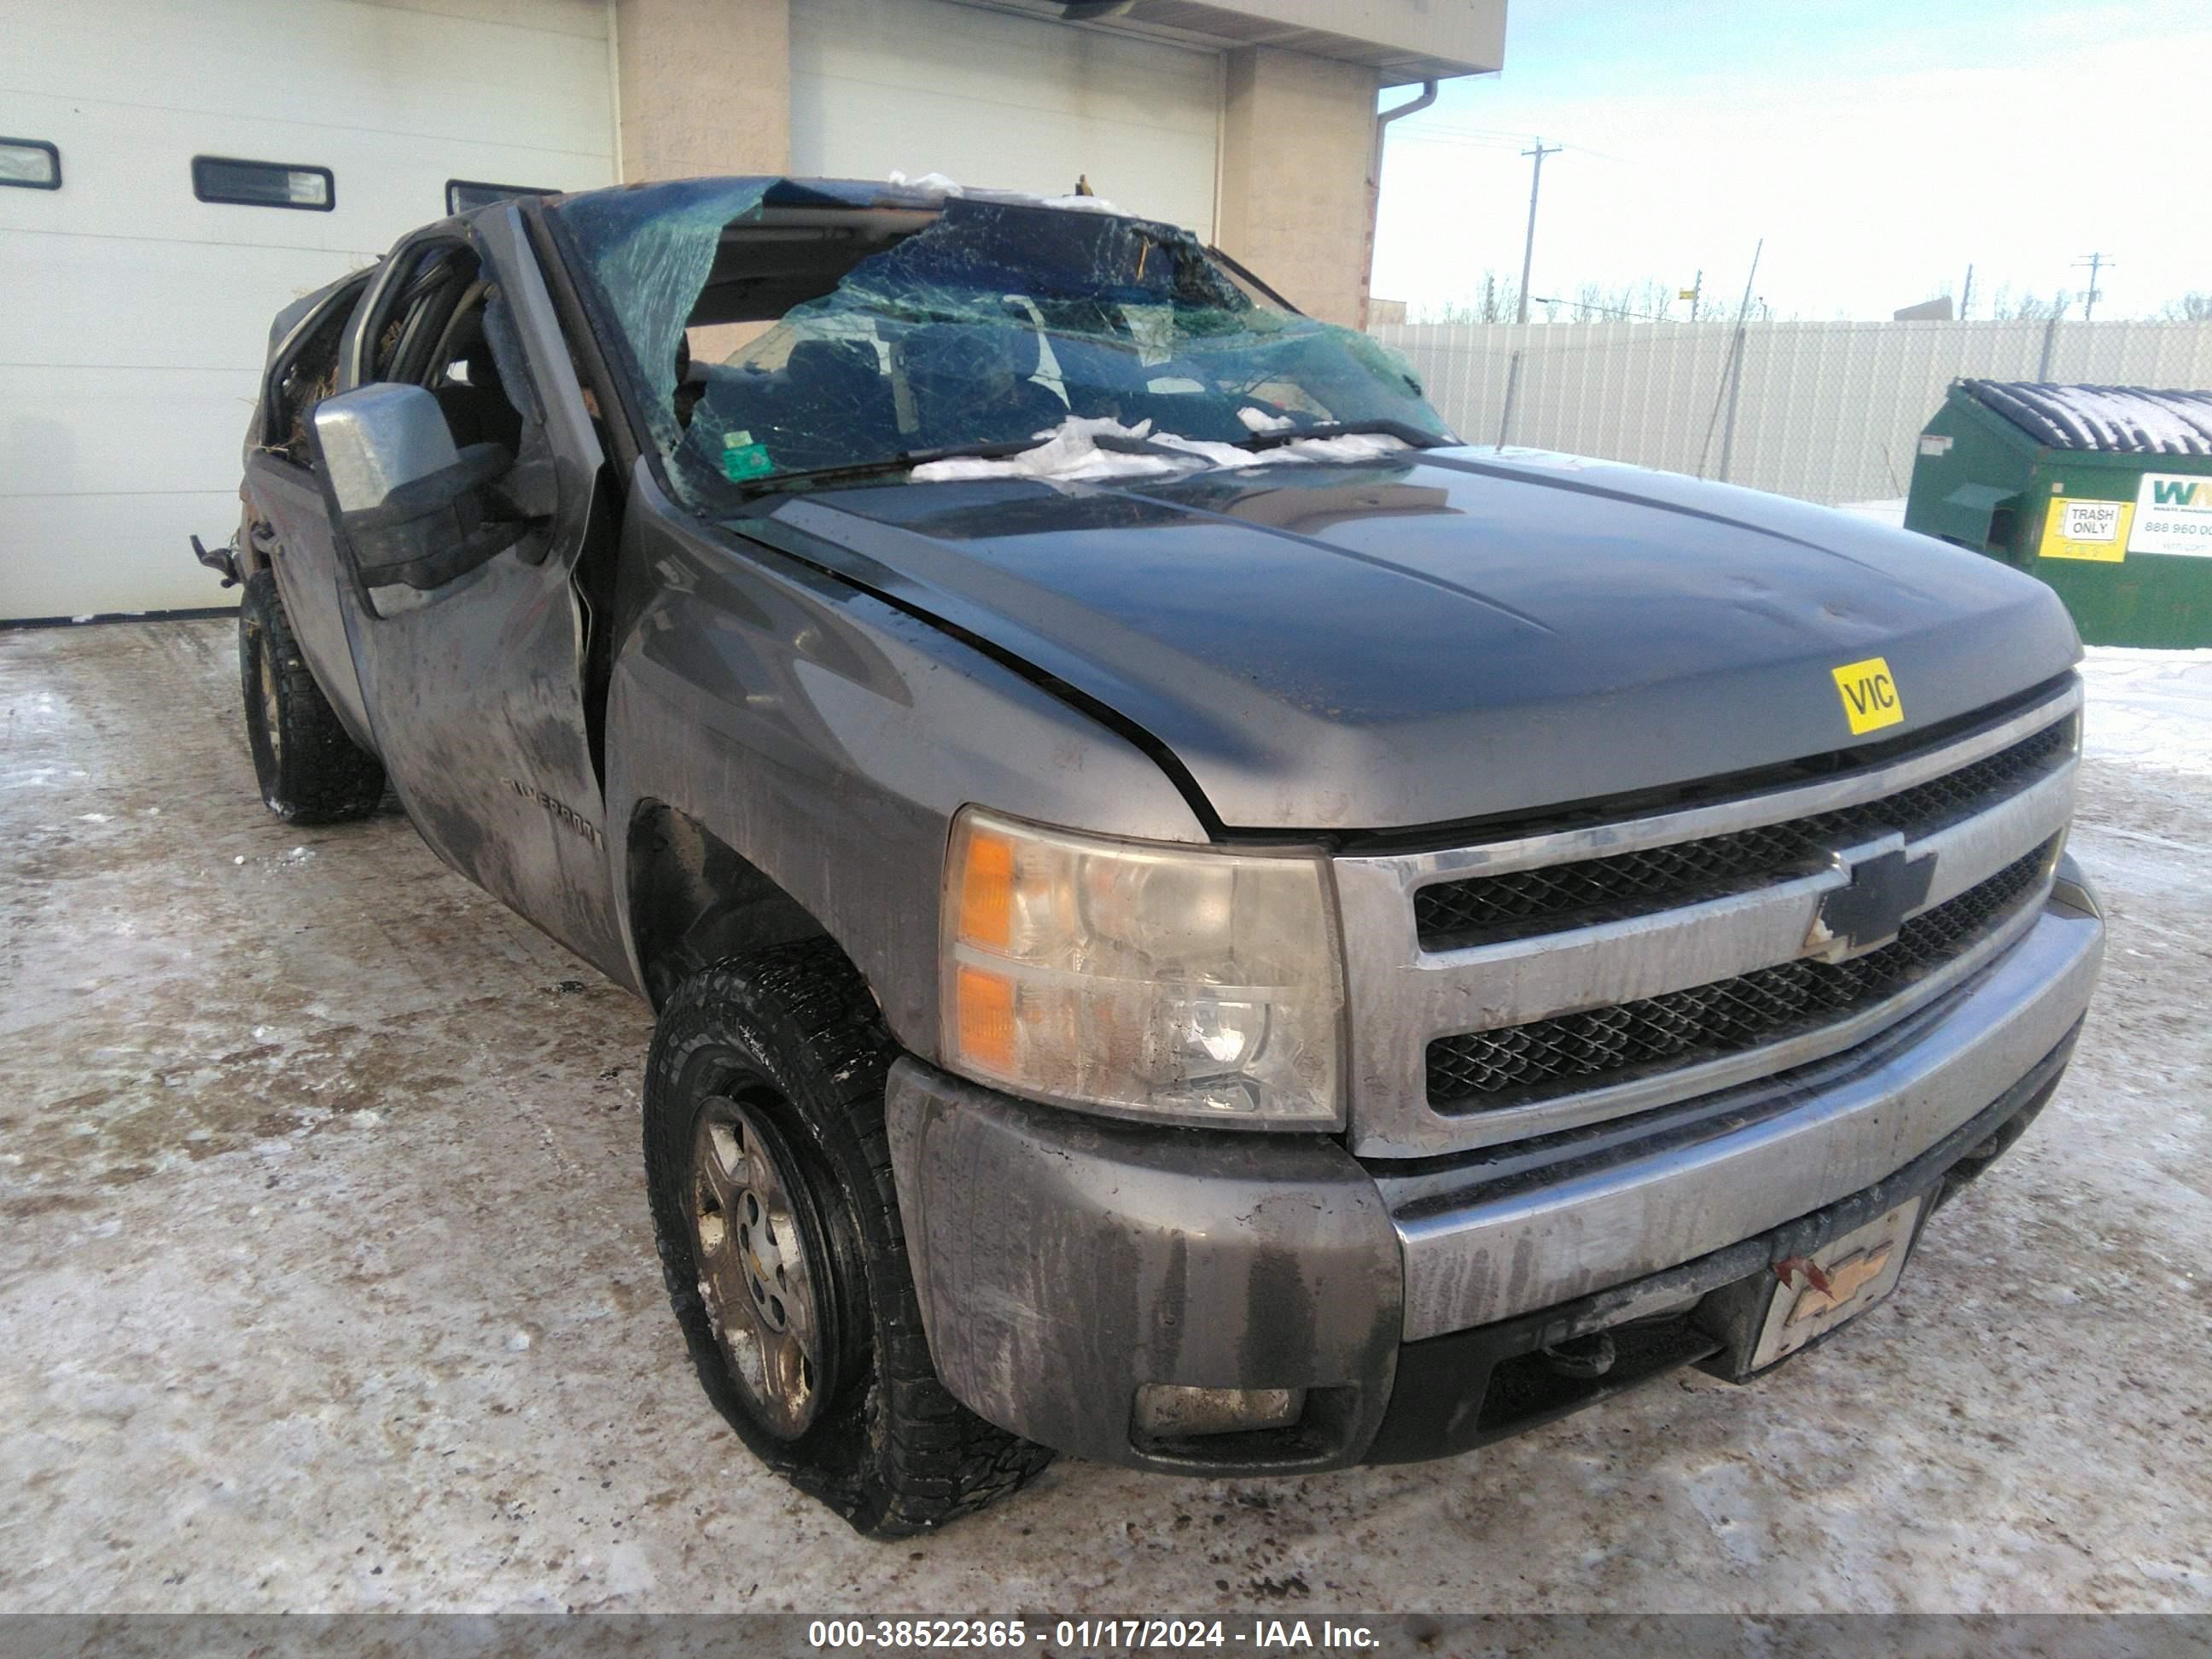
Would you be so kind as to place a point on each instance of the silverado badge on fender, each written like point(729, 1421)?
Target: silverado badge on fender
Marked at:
point(1870, 695)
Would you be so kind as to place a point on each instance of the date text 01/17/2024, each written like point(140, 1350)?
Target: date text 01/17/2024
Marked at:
point(1082, 1635)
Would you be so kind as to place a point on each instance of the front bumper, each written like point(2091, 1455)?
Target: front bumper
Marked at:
point(1064, 1263)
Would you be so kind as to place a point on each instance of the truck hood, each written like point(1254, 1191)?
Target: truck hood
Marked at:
point(1455, 635)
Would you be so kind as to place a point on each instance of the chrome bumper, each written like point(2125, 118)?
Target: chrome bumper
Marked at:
point(1063, 1262)
point(1495, 1239)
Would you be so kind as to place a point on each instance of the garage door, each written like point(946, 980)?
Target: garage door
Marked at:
point(133, 315)
point(1019, 103)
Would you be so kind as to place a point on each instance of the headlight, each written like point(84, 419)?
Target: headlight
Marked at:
point(1190, 985)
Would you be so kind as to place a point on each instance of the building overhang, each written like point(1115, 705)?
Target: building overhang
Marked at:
point(1402, 40)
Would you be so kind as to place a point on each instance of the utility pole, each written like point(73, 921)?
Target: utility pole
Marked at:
point(1966, 293)
point(2096, 261)
point(1529, 249)
point(1693, 293)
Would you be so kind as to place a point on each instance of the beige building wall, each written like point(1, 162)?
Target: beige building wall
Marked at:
point(1296, 134)
point(702, 86)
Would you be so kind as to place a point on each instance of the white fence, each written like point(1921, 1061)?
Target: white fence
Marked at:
point(1827, 411)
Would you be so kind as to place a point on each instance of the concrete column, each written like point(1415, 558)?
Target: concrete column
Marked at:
point(705, 87)
point(1297, 132)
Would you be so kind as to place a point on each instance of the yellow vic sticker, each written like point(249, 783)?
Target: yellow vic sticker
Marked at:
point(1870, 695)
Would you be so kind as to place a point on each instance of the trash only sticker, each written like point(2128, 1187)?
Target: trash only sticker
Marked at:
point(2087, 530)
point(2173, 514)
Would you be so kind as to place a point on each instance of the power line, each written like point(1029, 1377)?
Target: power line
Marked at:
point(1454, 141)
point(1444, 133)
point(1473, 131)
point(1610, 311)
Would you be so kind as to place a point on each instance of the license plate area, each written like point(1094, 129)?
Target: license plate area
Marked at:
point(1834, 1284)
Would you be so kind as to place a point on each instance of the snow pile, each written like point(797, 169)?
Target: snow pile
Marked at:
point(1890, 513)
point(2149, 709)
point(2125, 419)
point(938, 187)
point(2099, 416)
point(1072, 453)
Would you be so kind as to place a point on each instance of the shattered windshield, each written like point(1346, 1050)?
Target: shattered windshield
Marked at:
point(988, 330)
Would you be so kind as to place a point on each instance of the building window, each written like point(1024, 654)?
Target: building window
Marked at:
point(466, 195)
point(263, 184)
point(30, 164)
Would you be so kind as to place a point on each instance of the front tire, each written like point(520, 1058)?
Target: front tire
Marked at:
point(310, 771)
point(778, 1227)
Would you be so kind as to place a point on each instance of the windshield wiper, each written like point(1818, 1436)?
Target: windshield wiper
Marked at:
point(1417, 436)
point(898, 461)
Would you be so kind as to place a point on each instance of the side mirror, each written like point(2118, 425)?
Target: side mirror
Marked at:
point(411, 508)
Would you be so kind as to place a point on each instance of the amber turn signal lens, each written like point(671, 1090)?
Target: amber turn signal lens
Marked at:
point(987, 892)
point(986, 1017)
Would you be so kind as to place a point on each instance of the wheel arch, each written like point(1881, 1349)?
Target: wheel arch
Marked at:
point(694, 900)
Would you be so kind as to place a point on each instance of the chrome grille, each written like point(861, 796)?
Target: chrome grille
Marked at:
point(1455, 913)
point(1551, 979)
point(1517, 1063)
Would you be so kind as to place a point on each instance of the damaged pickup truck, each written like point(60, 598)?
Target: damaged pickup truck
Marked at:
point(1195, 919)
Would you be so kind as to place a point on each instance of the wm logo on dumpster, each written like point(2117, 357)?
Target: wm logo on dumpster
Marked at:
point(2173, 492)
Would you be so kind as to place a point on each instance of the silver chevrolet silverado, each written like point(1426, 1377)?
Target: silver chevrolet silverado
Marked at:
point(1195, 919)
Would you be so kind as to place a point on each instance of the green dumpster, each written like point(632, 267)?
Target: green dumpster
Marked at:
point(2105, 492)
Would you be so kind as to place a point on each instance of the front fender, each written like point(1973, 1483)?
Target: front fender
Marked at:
point(828, 737)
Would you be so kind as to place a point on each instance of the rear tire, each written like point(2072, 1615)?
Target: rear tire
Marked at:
point(778, 1227)
point(310, 771)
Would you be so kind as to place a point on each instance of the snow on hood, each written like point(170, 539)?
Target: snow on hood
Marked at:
point(1072, 453)
point(936, 185)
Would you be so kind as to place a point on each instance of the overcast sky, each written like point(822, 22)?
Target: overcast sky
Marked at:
point(1878, 145)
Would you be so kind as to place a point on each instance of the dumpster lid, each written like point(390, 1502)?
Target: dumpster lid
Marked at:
point(2119, 420)
point(1981, 498)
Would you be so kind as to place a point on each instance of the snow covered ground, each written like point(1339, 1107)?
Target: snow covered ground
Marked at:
point(2150, 708)
point(1890, 512)
point(326, 1283)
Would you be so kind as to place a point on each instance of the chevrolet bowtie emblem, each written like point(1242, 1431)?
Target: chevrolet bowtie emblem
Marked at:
point(1867, 909)
point(1844, 1280)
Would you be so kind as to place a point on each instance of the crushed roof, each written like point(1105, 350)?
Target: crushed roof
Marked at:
point(2123, 420)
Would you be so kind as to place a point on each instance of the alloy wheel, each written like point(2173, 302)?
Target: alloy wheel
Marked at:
point(758, 1259)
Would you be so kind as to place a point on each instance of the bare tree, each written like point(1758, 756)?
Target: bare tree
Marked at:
point(2194, 306)
point(1495, 301)
point(2006, 308)
point(1655, 300)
